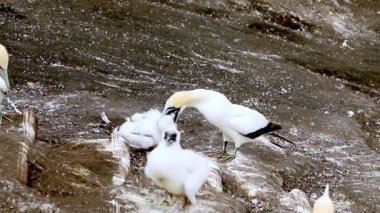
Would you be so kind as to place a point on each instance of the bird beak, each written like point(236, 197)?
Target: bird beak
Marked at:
point(174, 112)
point(170, 138)
point(4, 76)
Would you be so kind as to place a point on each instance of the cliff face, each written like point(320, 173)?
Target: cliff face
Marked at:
point(312, 66)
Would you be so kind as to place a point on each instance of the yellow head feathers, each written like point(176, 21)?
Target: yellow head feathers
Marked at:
point(4, 57)
point(180, 99)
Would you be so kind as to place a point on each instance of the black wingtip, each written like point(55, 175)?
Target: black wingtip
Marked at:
point(268, 128)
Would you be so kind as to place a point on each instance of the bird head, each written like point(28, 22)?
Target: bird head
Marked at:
point(4, 59)
point(171, 136)
point(165, 122)
point(178, 102)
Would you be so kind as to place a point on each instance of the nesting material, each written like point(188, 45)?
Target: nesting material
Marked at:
point(104, 118)
point(122, 153)
point(29, 126)
point(143, 130)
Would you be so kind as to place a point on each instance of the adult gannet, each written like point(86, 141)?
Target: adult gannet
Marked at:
point(4, 82)
point(178, 171)
point(238, 124)
point(144, 130)
point(324, 203)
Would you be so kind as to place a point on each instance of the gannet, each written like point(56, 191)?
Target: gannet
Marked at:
point(324, 203)
point(238, 124)
point(144, 130)
point(178, 171)
point(4, 82)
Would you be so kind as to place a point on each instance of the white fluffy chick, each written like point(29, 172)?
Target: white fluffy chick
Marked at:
point(144, 130)
point(324, 203)
point(178, 171)
point(238, 124)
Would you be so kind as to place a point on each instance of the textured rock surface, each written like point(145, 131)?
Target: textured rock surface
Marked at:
point(310, 65)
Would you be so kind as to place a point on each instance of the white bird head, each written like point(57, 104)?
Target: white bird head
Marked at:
point(324, 203)
point(4, 59)
point(171, 136)
point(165, 122)
point(180, 100)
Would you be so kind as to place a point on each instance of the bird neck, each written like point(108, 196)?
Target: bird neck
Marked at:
point(199, 97)
point(326, 192)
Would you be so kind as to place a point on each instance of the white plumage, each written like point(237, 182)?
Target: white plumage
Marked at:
point(3, 88)
point(144, 130)
point(178, 171)
point(324, 203)
point(4, 82)
point(238, 124)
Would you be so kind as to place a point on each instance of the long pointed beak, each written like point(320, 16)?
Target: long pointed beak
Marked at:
point(4, 76)
point(174, 112)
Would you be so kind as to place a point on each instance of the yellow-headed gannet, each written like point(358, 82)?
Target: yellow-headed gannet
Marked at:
point(238, 124)
point(324, 203)
point(4, 82)
point(178, 171)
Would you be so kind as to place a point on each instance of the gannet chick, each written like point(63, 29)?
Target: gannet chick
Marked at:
point(238, 124)
point(324, 203)
point(144, 130)
point(178, 171)
point(4, 82)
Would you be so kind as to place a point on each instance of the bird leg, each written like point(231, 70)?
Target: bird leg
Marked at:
point(186, 202)
point(229, 158)
point(3, 116)
point(221, 152)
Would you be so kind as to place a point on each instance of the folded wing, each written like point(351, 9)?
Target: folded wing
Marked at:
point(245, 120)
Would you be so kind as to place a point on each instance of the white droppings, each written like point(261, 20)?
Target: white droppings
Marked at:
point(229, 69)
point(261, 55)
point(345, 45)
point(350, 114)
point(254, 202)
point(215, 179)
point(58, 64)
point(14, 106)
point(104, 118)
point(293, 131)
point(219, 64)
point(116, 206)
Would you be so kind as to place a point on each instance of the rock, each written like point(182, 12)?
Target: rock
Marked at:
point(295, 201)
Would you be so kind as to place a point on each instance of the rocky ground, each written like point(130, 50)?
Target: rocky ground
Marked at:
point(312, 66)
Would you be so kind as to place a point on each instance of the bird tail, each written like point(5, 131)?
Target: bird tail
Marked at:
point(270, 144)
